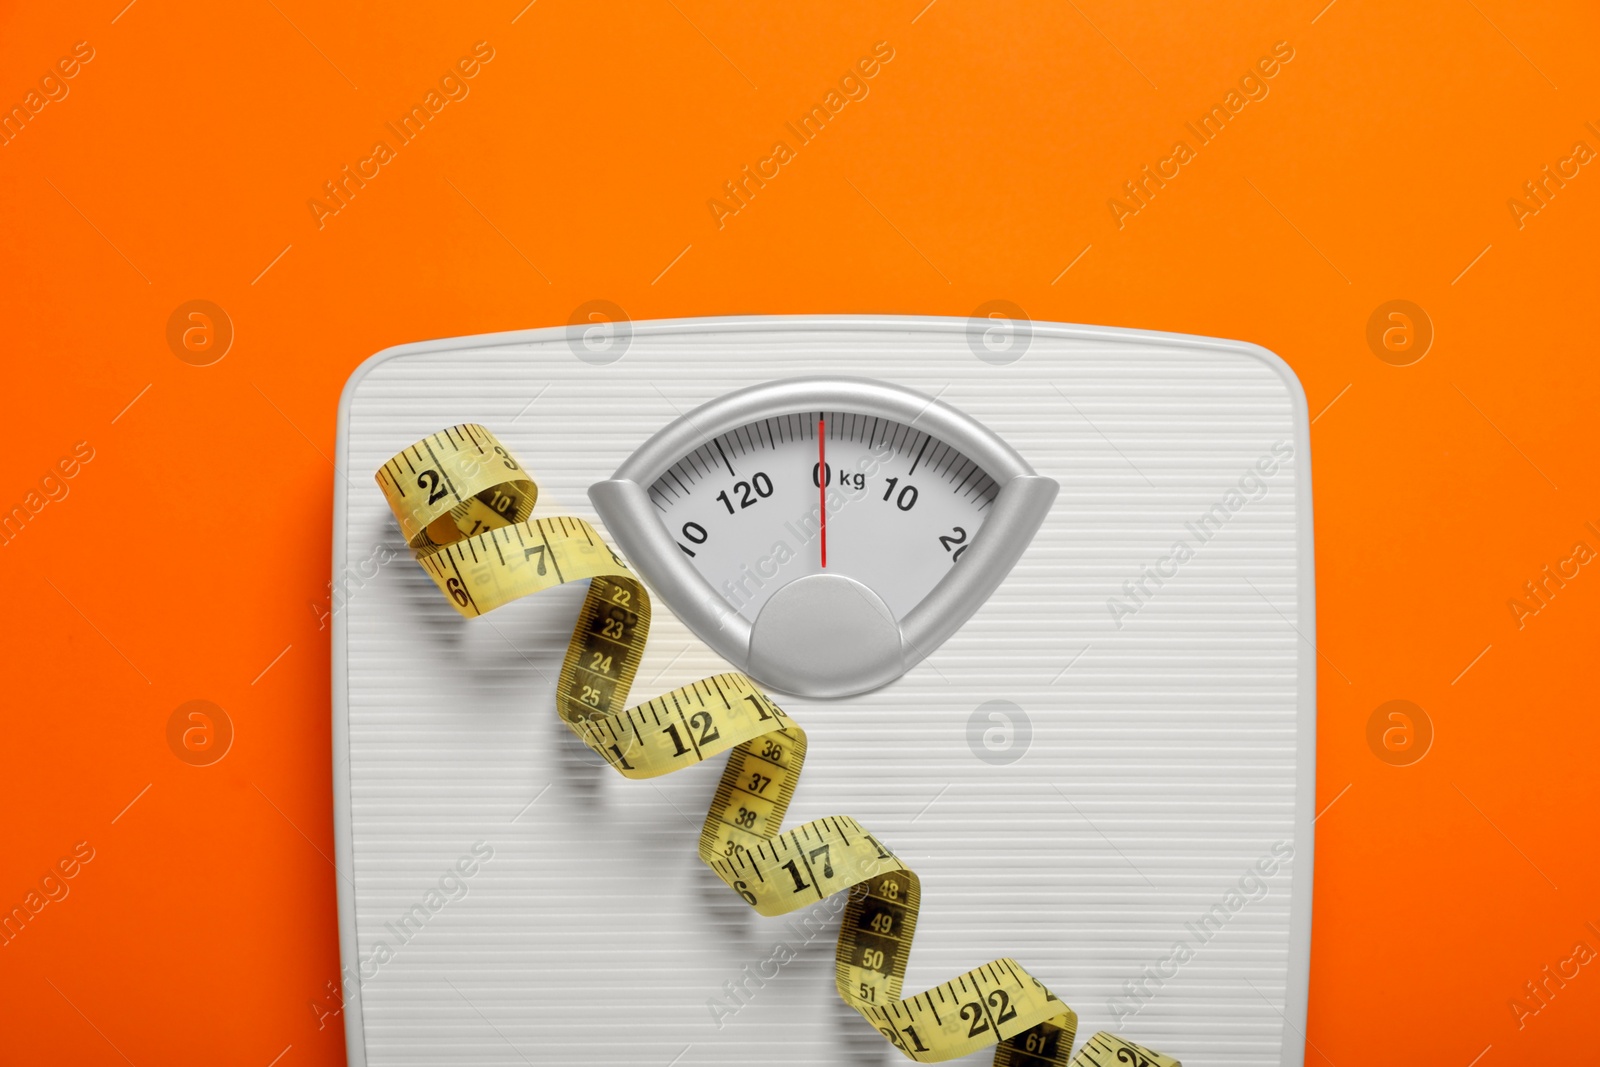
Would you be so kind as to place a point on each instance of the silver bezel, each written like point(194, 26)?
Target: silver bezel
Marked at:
point(1020, 506)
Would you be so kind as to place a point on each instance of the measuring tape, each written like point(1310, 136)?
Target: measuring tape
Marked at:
point(464, 505)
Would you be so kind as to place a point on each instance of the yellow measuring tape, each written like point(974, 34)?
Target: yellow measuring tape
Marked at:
point(463, 503)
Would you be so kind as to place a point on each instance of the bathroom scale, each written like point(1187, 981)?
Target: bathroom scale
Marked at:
point(1041, 596)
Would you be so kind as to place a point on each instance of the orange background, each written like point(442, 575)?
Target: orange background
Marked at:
point(194, 547)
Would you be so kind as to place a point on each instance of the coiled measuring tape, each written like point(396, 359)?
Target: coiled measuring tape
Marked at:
point(464, 505)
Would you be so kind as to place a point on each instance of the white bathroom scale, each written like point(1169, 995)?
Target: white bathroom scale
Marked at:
point(1060, 660)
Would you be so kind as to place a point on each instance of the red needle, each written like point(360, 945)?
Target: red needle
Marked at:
point(822, 485)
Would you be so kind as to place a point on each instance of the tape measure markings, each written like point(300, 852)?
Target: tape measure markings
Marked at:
point(774, 871)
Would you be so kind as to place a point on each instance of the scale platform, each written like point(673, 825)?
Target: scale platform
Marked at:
point(1107, 772)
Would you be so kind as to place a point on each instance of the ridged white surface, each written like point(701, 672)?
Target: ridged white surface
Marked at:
point(1162, 762)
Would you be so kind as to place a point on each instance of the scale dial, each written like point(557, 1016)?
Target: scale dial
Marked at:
point(725, 511)
point(867, 497)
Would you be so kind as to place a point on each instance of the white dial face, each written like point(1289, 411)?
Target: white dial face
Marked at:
point(868, 498)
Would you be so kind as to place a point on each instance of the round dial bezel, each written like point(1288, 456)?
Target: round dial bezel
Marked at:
point(1023, 499)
